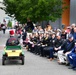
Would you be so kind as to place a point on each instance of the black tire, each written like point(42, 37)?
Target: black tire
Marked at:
point(23, 60)
point(3, 61)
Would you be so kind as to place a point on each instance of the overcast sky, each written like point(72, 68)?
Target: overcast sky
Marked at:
point(1, 0)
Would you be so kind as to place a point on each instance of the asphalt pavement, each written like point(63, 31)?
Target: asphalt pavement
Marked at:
point(34, 64)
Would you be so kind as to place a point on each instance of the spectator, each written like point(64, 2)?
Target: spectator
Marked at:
point(74, 33)
point(19, 32)
point(72, 58)
point(26, 27)
point(30, 24)
point(67, 47)
point(48, 27)
point(3, 28)
point(63, 34)
point(24, 35)
point(72, 28)
point(57, 46)
point(68, 31)
point(50, 44)
point(40, 30)
point(35, 30)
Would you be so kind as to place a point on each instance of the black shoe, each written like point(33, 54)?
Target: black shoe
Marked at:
point(61, 63)
point(70, 67)
point(67, 64)
point(74, 68)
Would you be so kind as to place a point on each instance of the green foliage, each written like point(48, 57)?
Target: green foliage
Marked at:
point(9, 24)
point(36, 10)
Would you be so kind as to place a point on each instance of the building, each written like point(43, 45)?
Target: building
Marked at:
point(68, 16)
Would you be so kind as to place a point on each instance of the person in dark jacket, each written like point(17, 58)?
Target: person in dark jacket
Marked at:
point(30, 24)
point(57, 46)
point(74, 33)
point(3, 28)
point(72, 58)
point(69, 44)
point(67, 47)
point(24, 35)
point(12, 41)
point(63, 34)
point(50, 44)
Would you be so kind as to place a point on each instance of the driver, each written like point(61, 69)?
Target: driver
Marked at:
point(12, 41)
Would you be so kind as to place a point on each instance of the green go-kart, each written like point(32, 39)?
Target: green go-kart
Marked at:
point(13, 53)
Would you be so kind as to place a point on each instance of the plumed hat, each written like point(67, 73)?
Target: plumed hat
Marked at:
point(11, 32)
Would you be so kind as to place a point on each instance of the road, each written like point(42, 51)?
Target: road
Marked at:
point(34, 64)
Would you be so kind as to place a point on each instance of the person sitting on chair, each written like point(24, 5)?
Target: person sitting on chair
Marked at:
point(72, 58)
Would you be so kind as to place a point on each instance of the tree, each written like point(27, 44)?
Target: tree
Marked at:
point(36, 10)
point(9, 24)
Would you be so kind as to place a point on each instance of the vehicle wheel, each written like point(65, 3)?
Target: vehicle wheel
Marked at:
point(23, 60)
point(3, 61)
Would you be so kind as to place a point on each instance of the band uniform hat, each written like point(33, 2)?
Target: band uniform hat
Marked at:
point(11, 32)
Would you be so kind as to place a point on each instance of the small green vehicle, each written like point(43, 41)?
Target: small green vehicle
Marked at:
point(13, 53)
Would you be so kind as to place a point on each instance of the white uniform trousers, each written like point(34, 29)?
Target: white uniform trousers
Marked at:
point(63, 57)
